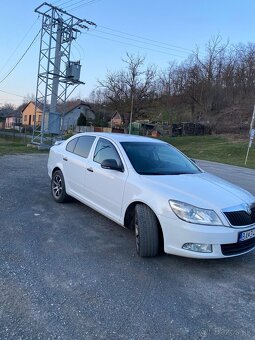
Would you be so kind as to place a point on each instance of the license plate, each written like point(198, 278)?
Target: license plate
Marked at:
point(246, 235)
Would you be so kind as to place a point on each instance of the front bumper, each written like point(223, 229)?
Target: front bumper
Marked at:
point(224, 240)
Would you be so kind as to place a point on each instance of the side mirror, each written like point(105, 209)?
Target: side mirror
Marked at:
point(111, 164)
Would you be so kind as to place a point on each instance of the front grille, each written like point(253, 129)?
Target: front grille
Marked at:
point(238, 248)
point(241, 218)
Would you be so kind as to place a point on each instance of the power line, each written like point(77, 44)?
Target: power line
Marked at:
point(80, 50)
point(126, 43)
point(179, 49)
point(56, 2)
point(73, 4)
point(23, 55)
point(8, 59)
point(4, 101)
point(143, 42)
point(140, 37)
point(62, 4)
point(87, 3)
point(13, 94)
point(59, 4)
point(70, 5)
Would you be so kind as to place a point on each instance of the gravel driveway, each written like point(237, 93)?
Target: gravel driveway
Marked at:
point(66, 272)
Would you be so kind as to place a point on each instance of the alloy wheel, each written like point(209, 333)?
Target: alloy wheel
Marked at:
point(57, 186)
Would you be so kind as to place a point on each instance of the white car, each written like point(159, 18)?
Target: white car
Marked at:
point(149, 186)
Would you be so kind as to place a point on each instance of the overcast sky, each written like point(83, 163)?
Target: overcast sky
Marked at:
point(162, 31)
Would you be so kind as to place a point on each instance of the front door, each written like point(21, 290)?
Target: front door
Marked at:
point(105, 187)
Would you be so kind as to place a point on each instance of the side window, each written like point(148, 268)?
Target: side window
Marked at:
point(106, 150)
point(71, 145)
point(83, 145)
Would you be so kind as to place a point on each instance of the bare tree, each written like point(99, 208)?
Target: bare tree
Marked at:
point(167, 79)
point(211, 68)
point(97, 96)
point(28, 98)
point(135, 83)
point(6, 109)
point(201, 87)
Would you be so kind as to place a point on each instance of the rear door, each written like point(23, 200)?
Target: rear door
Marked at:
point(75, 163)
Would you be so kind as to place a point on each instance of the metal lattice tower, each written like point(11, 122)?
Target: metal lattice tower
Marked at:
point(57, 77)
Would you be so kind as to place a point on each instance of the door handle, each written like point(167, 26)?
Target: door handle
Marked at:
point(90, 169)
point(64, 158)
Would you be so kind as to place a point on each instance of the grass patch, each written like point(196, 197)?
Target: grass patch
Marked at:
point(223, 149)
point(12, 145)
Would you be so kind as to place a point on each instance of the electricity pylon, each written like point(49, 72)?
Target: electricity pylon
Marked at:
point(57, 76)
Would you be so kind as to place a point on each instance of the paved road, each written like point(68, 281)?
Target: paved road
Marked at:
point(243, 177)
point(66, 272)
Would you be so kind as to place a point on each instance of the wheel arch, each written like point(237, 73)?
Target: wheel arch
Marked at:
point(56, 168)
point(129, 220)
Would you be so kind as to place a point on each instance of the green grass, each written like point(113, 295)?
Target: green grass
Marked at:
point(12, 145)
point(223, 149)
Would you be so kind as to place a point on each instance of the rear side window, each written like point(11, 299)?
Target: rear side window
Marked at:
point(83, 146)
point(71, 145)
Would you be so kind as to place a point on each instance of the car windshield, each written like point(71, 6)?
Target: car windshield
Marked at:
point(150, 158)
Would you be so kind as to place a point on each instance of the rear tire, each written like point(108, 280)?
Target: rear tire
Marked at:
point(58, 188)
point(146, 231)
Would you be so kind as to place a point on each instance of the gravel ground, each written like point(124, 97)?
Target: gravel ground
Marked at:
point(67, 272)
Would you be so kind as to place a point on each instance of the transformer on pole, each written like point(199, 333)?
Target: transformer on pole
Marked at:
point(57, 76)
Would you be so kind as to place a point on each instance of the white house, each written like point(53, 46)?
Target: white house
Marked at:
point(70, 117)
point(13, 120)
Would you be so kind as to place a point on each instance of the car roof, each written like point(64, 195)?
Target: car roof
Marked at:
point(121, 137)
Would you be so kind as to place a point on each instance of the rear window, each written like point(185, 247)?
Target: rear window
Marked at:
point(81, 146)
point(71, 145)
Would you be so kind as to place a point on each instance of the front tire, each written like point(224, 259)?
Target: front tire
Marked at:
point(146, 231)
point(58, 188)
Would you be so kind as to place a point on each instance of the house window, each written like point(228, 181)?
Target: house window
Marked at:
point(25, 118)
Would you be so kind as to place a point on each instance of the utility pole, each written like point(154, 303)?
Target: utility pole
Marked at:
point(57, 64)
point(58, 76)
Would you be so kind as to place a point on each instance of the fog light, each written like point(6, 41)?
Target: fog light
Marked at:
point(198, 247)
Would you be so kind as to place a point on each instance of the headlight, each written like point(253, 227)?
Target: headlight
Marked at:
point(189, 213)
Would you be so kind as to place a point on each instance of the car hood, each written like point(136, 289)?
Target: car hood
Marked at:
point(203, 190)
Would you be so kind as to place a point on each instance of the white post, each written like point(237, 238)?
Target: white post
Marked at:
point(131, 113)
point(252, 134)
